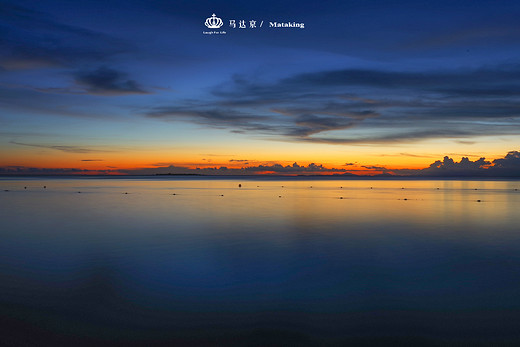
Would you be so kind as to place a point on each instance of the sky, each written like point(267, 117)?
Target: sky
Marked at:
point(345, 87)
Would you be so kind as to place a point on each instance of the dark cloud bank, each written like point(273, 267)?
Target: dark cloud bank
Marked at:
point(509, 166)
point(362, 106)
point(107, 81)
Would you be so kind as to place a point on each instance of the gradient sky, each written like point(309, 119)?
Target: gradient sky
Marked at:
point(365, 86)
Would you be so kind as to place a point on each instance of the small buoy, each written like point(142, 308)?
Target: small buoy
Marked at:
point(6, 190)
point(79, 192)
point(341, 197)
point(476, 189)
point(311, 186)
point(174, 194)
point(126, 193)
point(340, 187)
point(222, 195)
point(44, 187)
point(239, 186)
point(402, 188)
point(24, 187)
point(370, 187)
point(279, 196)
point(478, 201)
point(438, 188)
point(405, 199)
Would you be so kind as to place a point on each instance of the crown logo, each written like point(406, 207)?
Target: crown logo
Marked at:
point(213, 22)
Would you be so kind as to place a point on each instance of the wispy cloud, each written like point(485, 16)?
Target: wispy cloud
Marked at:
point(24, 170)
point(363, 107)
point(38, 40)
point(63, 148)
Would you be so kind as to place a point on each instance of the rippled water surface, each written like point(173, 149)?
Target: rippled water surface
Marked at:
point(176, 261)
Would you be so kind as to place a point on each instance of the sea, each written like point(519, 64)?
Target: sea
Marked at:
point(259, 261)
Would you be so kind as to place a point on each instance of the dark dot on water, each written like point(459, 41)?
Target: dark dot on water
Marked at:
point(6, 190)
point(126, 193)
point(402, 188)
point(476, 189)
point(24, 187)
point(44, 187)
point(279, 196)
point(174, 194)
point(341, 197)
point(239, 186)
point(341, 187)
point(79, 192)
point(405, 199)
point(221, 194)
point(371, 188)
point(478, 201)
point(438, 188)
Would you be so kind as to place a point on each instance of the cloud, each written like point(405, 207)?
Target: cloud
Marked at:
point(476, 32)
point(35, 39)
point(362, 106)
point(278, 169)
point(509, 166)
point(375, 167)
point(448, 167)
point(23, 170)
point(68, 149)
point(403, 154)
point(107, 81)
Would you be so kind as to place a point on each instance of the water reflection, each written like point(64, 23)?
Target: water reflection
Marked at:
point(248, 267)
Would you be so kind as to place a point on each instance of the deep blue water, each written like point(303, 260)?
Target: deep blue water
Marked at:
point(202, 262)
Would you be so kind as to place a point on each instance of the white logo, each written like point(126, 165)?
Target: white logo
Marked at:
point(213, 22)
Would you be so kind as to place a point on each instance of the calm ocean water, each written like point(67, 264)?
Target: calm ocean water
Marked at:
point(204, 262)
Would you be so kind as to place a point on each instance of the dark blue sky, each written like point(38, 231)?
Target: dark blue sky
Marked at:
point(376, 78)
